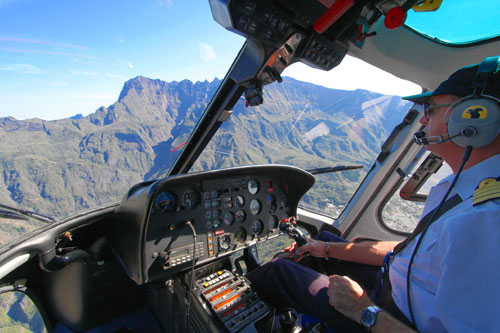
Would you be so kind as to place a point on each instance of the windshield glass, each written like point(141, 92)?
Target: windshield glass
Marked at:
point(314, 125)
point(97, 96)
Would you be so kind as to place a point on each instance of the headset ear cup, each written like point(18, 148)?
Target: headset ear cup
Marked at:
point(475, 121)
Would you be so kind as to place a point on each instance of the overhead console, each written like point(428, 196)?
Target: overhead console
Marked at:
point(318, 34)
point(227, 210)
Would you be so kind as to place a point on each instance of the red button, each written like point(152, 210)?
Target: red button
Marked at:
point(395, 18)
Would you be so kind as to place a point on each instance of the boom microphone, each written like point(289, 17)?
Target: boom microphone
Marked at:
point(420, 138)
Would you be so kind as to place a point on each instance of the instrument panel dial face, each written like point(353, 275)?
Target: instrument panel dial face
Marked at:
point(166, 201)
point(210, 225)
point(239, 201)
point(255, 206)
point(240, 216)
point(271, 202)
point(224, 242)
point(191, 198)
point(257, 227)
point(240, 236)
point(228, 218)
point(253, 186)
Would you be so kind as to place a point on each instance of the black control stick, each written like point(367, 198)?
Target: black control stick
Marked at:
point(287, 226)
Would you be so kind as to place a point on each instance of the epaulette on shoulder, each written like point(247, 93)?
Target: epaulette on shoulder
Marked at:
point(488, 189)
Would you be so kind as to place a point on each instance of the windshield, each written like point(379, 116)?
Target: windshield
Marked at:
point(309, 126)
point(98, 96)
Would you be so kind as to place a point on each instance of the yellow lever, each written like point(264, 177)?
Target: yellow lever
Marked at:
point(428, 6)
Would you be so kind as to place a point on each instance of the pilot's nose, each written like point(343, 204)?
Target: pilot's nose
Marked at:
point(424, 119)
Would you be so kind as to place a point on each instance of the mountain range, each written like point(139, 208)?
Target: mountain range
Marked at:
point(65, 166)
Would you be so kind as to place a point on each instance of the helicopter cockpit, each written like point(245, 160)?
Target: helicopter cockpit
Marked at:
point(173, 254)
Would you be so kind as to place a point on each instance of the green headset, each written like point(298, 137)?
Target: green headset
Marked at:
point(475, 119)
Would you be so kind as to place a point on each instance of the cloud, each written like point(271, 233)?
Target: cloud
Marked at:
point(58, 84)
point(6, 3)
point(91, 96)
point(131, 65)
point(207, 52)
point(38, 51)
point(120, 40)
point(85, 73)
point(41, 42)
point(167, 3)
point(21, 68)
point(115, 76)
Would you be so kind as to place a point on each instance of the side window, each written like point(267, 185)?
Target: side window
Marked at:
point(18, 313)
point(267, 250)
point(401, 215)
point(404, 209)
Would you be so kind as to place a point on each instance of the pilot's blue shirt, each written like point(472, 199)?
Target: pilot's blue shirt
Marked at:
point(455, 282)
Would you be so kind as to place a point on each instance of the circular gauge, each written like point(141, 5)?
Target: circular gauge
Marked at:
point(228, 218)
point(255, 206)
point(257, 227)
point(224, 242)
point(217, 223)
point(166, 201)
point(191, 198)
point(272, 222)
point(240, 236)
point(271, 202)
point(240, 216)
point(239, 201)
point(253, 186)
point(209, 225)
point(216, 213)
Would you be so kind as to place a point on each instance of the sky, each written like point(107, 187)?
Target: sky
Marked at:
point(59, 58)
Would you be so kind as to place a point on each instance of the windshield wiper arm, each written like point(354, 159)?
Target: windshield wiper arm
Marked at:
point(7, 214)
point(318, 171)
point(22, 212)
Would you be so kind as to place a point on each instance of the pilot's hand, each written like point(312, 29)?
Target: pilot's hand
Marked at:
point(312, 247)
point(347, 296)
point(290, 249)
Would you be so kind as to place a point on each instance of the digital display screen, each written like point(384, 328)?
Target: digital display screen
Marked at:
point(179, 253)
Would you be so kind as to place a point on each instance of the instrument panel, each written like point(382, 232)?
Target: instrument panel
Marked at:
point(161, 226)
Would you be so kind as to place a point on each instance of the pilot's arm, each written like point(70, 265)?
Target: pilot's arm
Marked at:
point(347, 297)
point(368, 253)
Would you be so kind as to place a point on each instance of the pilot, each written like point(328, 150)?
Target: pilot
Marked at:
point(451, 257)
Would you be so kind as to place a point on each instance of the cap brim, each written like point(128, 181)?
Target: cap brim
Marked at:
point(420, 98)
